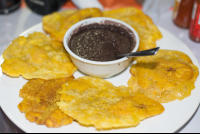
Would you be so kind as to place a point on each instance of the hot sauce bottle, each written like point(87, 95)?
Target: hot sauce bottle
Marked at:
point(195, 22)
point(182, 12)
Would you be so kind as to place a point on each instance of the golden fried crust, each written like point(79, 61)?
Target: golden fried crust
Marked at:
point(52, 22)
point(39, 104)
point(42, 90)
point(62, 21)
point(96, 102)
point(168, 76)
point(44, 113)
point(37, 56)
point(138, 105)
point(16, 67)
point(147, 31)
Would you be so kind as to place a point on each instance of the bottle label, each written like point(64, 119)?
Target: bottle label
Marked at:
point(195, 21)
point(199, 20)
point(194, 11)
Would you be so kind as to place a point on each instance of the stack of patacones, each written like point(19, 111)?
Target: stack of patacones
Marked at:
point(53, 97)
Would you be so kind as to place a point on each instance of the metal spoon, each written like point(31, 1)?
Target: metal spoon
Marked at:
point(140, 53)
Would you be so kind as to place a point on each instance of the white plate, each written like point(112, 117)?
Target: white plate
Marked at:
point(176, 114)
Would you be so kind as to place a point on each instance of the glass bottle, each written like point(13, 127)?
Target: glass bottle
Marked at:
point(182, 12)
point(195, 22)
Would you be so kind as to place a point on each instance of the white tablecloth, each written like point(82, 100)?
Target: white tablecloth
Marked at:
point(13, 24)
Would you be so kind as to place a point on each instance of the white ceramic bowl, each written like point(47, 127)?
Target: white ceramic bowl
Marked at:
point(95, 68)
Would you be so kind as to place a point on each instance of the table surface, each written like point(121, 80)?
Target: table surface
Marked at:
point(13, 24)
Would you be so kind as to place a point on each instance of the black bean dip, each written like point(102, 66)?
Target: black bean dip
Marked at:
point(100, 42)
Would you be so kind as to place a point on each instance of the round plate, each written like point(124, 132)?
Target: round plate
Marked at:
point(176, 113)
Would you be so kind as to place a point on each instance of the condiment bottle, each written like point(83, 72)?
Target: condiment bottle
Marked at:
point(182, 12)
point(195, 22)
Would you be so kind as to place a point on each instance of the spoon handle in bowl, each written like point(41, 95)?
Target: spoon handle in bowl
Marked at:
point(140, 53)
